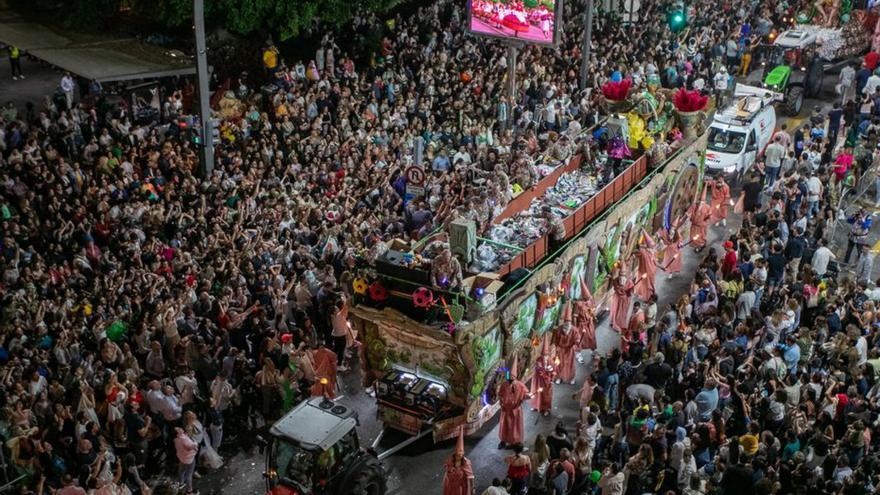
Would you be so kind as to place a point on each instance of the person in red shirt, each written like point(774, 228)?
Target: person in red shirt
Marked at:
point(728, 264)
point(872, 59)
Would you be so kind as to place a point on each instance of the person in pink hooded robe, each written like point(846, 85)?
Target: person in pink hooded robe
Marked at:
point(542, 381)
point(458, 475)
point(567, 340)
point(635, 330)
point(511, 396)
point(324, 363)
point(621, 296)
point(700, 215)
point(672, 252)
point(585, 318)
point(720, 201)
point(646, 255)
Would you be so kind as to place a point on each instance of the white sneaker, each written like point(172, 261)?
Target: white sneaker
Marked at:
point(14, 78)
point(21, 77)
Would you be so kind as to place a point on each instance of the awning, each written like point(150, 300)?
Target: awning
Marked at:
point(94, 58)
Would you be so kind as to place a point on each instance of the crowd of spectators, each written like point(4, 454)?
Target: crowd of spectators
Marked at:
point(763, 378)
point(145, 308)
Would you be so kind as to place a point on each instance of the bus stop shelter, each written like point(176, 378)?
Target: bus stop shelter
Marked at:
point(92, 57)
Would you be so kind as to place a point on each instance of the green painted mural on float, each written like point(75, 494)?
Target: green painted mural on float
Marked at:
point(485, 350)
point(525, 318)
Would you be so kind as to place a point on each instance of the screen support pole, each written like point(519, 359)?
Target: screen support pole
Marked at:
point(207, 148)
point(587, 41)
point(512, 54)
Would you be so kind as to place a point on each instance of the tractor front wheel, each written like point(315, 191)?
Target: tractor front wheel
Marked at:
point(368, 480)
point(794, 101)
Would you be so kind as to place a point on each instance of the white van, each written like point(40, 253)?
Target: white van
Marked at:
point(739, 133)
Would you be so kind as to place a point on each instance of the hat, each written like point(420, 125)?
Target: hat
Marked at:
point(286, 338)
point(659, 357)
point(723, 69)
point(749, 443)
point(545, 350)
point(459, 444)
point(728, 245)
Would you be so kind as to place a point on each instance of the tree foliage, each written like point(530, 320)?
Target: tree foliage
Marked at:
point(283, 19)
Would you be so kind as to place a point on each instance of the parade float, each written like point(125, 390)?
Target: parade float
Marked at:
point(437, 355)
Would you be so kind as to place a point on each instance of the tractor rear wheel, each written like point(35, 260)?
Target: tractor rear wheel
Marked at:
point(794, 101)
point(815, 74)
point(368, 480)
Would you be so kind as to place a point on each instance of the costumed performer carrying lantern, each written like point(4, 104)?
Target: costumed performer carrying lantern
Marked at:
point(511, 395)
point(458, 475)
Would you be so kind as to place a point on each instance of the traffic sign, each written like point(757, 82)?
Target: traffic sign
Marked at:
point(415, 175)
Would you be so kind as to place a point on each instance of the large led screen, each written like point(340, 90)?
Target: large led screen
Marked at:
point(530, 21)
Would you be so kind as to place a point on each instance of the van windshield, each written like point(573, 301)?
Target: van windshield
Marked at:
point(724, 141)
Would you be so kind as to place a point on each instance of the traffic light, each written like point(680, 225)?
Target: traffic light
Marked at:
point(676, 16)
point(215, 131)
point(677, 19)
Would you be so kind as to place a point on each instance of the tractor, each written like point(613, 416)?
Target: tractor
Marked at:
point(314, 450)
point(793, 67)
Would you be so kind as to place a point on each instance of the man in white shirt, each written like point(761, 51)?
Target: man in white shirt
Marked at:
point(745, 302)
point(720, 81)
point(814, 194)
point(773, 156)
point(68, 85)
point(221, 397)
point(170, 407)
point(872, 84)
point(821, 257)
point(845, 82)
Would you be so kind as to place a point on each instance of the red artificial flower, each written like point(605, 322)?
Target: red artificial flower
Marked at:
point(616, 90)
point(689, 101)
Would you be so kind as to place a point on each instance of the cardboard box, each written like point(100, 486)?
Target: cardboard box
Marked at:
point(490, 284)
point(398, 245)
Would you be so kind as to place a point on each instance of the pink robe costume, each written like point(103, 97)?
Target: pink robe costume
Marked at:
point(700, 216)
point(586, 324)
point(620, 302)
point(458, 480)
point(647, 257)
point(720, 201)
point(511, 395)
point(324, 363)
point(671, 253)
point(633, 331)
point(567, 346)
point(542, 384)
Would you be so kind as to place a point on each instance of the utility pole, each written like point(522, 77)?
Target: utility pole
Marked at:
point(587, 42)
point(207, 152)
